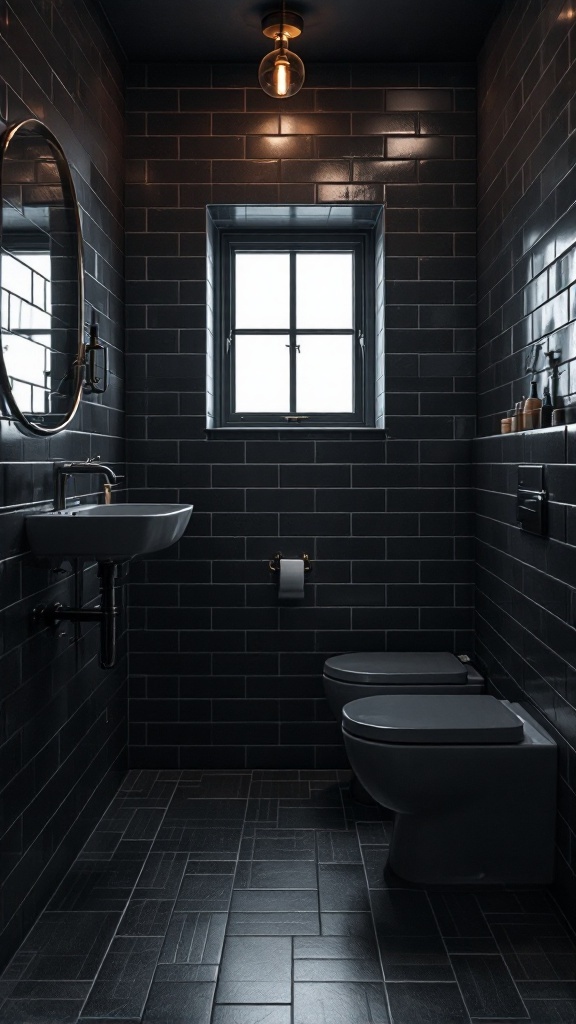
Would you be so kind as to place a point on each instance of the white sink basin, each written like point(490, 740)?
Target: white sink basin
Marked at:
point(107, 533)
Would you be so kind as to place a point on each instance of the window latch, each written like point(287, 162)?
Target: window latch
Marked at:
point(295, 419)
point(229, 343)
point(361, 341)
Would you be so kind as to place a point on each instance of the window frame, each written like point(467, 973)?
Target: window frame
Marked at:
point(361, 243)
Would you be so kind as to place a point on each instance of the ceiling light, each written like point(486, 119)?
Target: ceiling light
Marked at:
point(281, 73)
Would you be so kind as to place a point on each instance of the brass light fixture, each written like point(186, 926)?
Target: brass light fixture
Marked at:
point(281, 72)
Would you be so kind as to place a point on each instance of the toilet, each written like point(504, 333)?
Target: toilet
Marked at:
point(351, 676)
point(472, 782)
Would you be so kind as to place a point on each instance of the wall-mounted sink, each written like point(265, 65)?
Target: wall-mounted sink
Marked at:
point(107, 533)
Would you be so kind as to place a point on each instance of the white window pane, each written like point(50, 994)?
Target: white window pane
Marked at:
point(262, 373)
point(262, 290)
point(325, 373)
point(324, 290)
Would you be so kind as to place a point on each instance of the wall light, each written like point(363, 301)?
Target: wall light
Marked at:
point(281, 73)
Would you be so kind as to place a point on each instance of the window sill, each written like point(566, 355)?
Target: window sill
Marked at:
point(321, 432)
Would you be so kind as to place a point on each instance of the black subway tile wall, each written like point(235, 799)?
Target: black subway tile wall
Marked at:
point(221, 675)
point(526, 602)
point(62, 720)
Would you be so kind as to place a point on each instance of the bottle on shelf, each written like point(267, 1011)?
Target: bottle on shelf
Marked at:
point(520, 413)
point(531, 408)
point(547, 408)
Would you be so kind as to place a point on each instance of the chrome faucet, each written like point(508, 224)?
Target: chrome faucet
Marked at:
point(64, 470)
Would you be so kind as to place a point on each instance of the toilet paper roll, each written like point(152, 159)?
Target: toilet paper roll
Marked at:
point(291, 583)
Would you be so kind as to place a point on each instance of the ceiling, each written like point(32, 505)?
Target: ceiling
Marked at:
point(334, 30)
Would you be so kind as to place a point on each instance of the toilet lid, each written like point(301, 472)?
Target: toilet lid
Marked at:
point(396, 668)
point(430, 718)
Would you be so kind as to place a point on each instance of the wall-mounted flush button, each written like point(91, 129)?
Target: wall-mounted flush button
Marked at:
point(532, 500)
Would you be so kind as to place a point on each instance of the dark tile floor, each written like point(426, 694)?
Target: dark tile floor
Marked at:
point(259, 898)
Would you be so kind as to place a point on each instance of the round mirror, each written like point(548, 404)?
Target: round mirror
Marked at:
point(42, 352)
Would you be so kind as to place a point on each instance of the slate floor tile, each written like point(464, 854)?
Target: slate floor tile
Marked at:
point(210, 867)
point(342, 887)
point(401, 912)
point(486, 987)
point(146, 917)
point(276, 774)
point(339, 1003)
point(356, 923)
point(105, 886)
point(272, 874)
point(548, 990)
point(251, 1015)
point(204, 892)
point(255, 901)
point(311, 817)
point(219, 787)
point(74, 943)
point(194, 939)
point(145, 823)
point(138, 913)
point(337, 970)
point(123, 981)
point(159, 794)
point(557, 1011)
point(195, 811)
point(415, 958)
point(458, 945)
point(377, 833)
point(255, 970)
point(262, 812)
point(283, 844)
point(223, 842)
point(61, 990)
point(426, 1003)
point(459, 914)
point(40, 1011)
point(179, 1002)
point(338, 848)
point(161, 876)
point(186, 972)
point(335, 947)
point(374, 863)
point(286, 789)
point(537, 952)
point(100, 846)
point(278, 923)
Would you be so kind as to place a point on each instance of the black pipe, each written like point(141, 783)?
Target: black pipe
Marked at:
point(107, 614)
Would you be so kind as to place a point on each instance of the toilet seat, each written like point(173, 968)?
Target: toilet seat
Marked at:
point(391, 668)
point(424, 719)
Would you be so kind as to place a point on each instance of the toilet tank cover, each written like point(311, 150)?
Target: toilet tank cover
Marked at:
point(397, 668)
point(434, 718)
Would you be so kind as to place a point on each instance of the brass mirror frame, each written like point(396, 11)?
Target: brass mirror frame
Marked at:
point(80, 361)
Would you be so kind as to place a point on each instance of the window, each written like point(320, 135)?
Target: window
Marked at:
point(294, 327)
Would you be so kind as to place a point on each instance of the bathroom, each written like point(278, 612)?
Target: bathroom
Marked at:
point(446, 131)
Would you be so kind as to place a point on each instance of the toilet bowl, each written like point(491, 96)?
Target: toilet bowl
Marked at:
point(349, 677)
point(472, 782)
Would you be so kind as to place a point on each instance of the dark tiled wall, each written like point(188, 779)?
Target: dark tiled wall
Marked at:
point(220, 675)
point(527, 229)
point(62, 720)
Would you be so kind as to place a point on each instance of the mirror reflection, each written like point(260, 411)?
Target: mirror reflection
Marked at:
point(41, 281)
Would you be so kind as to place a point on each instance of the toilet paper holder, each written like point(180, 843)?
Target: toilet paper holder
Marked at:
point(274, 563)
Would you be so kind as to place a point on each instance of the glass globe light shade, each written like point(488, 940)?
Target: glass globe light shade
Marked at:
point(281, 72)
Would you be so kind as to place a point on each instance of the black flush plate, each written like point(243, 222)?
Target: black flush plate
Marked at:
point(532, 500)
